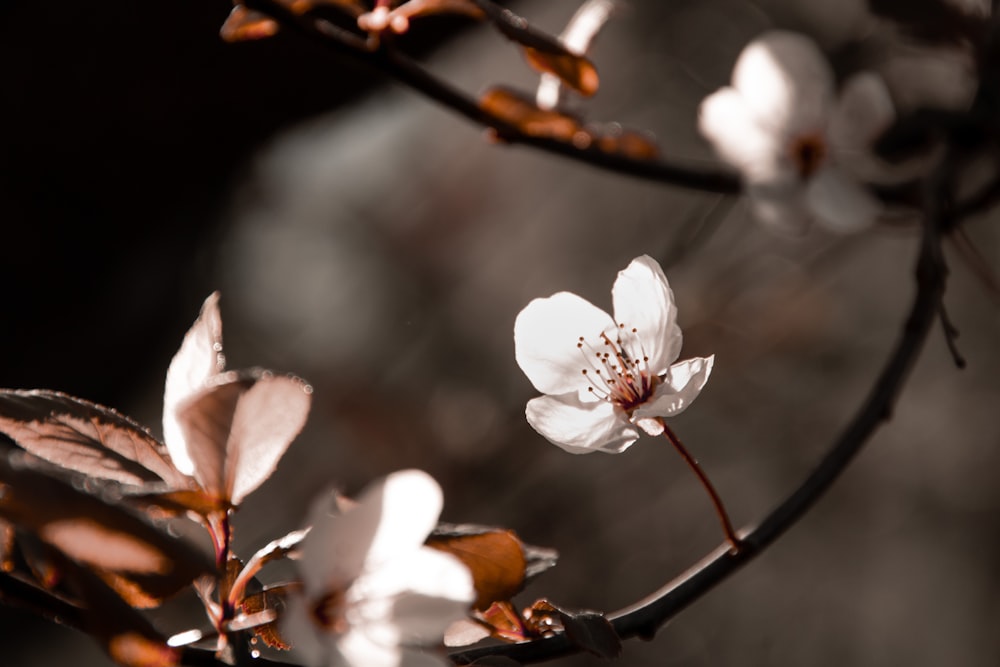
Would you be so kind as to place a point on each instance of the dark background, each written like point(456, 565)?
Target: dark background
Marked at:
point(379, 247)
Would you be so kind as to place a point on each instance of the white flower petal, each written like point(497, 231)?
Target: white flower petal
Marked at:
point(840, 203)
point(546, 333)
point(579, 427)
point(681, 386)
point(644, 301)
point(392, 516)
point(729, 124)
point(786, 81)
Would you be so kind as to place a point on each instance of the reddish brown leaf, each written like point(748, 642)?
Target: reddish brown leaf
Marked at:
point(630, 143)
point(270, 598)
point(519, 110)
point(104, 537)
point(573, 70)
point(246, 24)
point(400, 17)
point(85, 437)
point(496, 557)
point(239, 426)
point(285, 547)
point(352, 8)
point(131, 649)
point(505, 623)
point(543, 51)
point(6, 546)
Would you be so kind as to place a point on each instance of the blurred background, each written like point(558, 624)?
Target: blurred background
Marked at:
point(380, 247)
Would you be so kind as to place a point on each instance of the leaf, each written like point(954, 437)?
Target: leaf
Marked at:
point(85, 437)
point(521, 111)
point(285, 547)
point(504, 622)
point(199, 359)
point(271, 598)
point(238, 427)
point(544, 52)
point(107, 538)
point(244, 24)
point(132, 649)
point(400, 17)
point(353, 8)
point(613, 138)
point(573, 70)
point(127, 637)
point(496, 557)
point(6, 546)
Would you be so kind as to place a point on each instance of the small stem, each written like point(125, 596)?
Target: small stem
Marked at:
point(720, 509)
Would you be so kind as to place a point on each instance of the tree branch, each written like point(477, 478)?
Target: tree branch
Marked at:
point(397, 65)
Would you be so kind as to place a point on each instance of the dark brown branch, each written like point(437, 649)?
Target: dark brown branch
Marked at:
point(645, 617)
point(400, 67)
point(21, 593)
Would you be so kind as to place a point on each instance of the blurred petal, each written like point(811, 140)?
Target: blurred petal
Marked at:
point(392, 516)
point(297, 625)
point(580, 427)
point(863, 112)
point(643, 300)
point(412, 599)
point(199, 358)
point(728, 123)
point(681, 386)
point(546, 334)
point(786, 81)
point(423, 572)
point(356, 649)
point(840, 203)
point(783, 210)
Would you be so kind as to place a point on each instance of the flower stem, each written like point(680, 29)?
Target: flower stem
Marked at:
point(720, 509)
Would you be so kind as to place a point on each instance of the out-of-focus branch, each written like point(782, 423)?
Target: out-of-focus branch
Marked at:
point(397, 65)
point(645, 617)
point(18, 592)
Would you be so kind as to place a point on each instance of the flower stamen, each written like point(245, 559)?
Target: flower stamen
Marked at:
point(627, 381)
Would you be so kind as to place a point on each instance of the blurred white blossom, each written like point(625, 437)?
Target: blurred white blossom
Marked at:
point(373, 593)
point(604, 377)
point(798, 145)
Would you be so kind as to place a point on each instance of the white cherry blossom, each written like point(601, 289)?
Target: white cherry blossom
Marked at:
point(605, 378)
point(373, 593)
point(800, 147)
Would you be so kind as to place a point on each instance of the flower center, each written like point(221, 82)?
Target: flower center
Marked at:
point(328, 613)
point(617, 369)
point(808, 152)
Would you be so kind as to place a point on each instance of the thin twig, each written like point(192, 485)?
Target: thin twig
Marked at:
point(720, 509)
